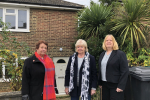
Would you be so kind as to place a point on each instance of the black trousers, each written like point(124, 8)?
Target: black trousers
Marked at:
point(109, 91)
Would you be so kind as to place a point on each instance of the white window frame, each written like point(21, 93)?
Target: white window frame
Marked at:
point(16, 15)
point(3, 79)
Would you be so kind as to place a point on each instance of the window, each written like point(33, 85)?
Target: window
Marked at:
point(17, 19)
point(7, 75)
point(61, 61)
point(22, 19)
point(4, 76)
point(11, 20)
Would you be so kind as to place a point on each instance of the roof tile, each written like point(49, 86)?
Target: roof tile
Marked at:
point(61, 3)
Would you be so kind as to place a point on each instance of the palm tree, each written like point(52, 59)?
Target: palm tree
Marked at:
point(109, 2)
point(92, 19)
point(132, 20)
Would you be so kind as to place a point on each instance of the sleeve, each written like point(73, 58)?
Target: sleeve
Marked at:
point(55, 84)
point(99, 74)
point(25, 78)
point(93, 72)
point(124, 71)
point(67, 73)
point(56, 90)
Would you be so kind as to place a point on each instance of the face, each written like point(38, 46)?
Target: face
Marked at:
point(80, 49)
point(109, 42)
point(42, 49)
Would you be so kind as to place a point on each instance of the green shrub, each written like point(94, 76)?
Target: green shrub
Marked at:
point(11, 51)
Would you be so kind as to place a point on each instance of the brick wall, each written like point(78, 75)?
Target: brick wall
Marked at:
point(4, 86)
point(15, 95)
point(56, 27)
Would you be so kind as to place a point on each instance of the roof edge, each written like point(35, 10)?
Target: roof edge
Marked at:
point(39, 6)
point(43, 4)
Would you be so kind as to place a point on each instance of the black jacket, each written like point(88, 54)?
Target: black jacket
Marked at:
point(33, 78)
point(93, 75)
point(116, 68)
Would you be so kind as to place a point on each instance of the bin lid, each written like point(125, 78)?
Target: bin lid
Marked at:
point(141, 73)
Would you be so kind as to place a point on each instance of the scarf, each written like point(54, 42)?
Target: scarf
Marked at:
point(48, 88)
point(85, 76)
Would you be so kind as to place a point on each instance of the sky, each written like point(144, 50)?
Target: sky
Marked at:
point(83, 2)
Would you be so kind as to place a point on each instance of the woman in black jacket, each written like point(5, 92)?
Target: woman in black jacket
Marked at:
point(38, 80)
point(81, 74)
point(113, 70)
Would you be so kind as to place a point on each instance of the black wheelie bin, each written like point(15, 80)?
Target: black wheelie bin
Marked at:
point(140, 83)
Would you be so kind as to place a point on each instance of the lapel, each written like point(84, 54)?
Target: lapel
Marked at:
point(110, 58)
point(101, 57)
point(35, 59)
point(76, 60)
point(82, 64)
point(112, 55)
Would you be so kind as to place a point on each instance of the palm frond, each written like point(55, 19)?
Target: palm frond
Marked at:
point(125, 34)
point(91, 20)
point(132, 20)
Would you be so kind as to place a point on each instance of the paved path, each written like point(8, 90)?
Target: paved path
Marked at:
point(62, 97)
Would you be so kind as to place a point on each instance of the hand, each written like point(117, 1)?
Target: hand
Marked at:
point(119, 90)
point(93, 92)
point(25, 97)
point(100, 86)
point(67, 91)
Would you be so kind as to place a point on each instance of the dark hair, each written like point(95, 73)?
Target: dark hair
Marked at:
point(40, 42)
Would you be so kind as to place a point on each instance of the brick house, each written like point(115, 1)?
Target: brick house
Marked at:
point(50, 20)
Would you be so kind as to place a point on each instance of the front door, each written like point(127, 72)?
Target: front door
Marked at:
point(60, 67)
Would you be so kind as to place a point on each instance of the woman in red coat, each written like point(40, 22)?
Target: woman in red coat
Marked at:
point(38, 80)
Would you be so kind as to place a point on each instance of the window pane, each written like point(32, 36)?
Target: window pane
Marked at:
point(61, 61)
point(1, 15)
point(10, 11)
point(11, 20)
point(22, 19)
point(7, 75)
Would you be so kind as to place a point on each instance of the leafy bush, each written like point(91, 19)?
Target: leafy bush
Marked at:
point(14, 68)
point(11, 51)
point(97, 96)
point(142, 59)
point(137, 57)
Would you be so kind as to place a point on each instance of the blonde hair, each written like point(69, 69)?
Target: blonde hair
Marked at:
point(81, 42)
point(115, 46)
